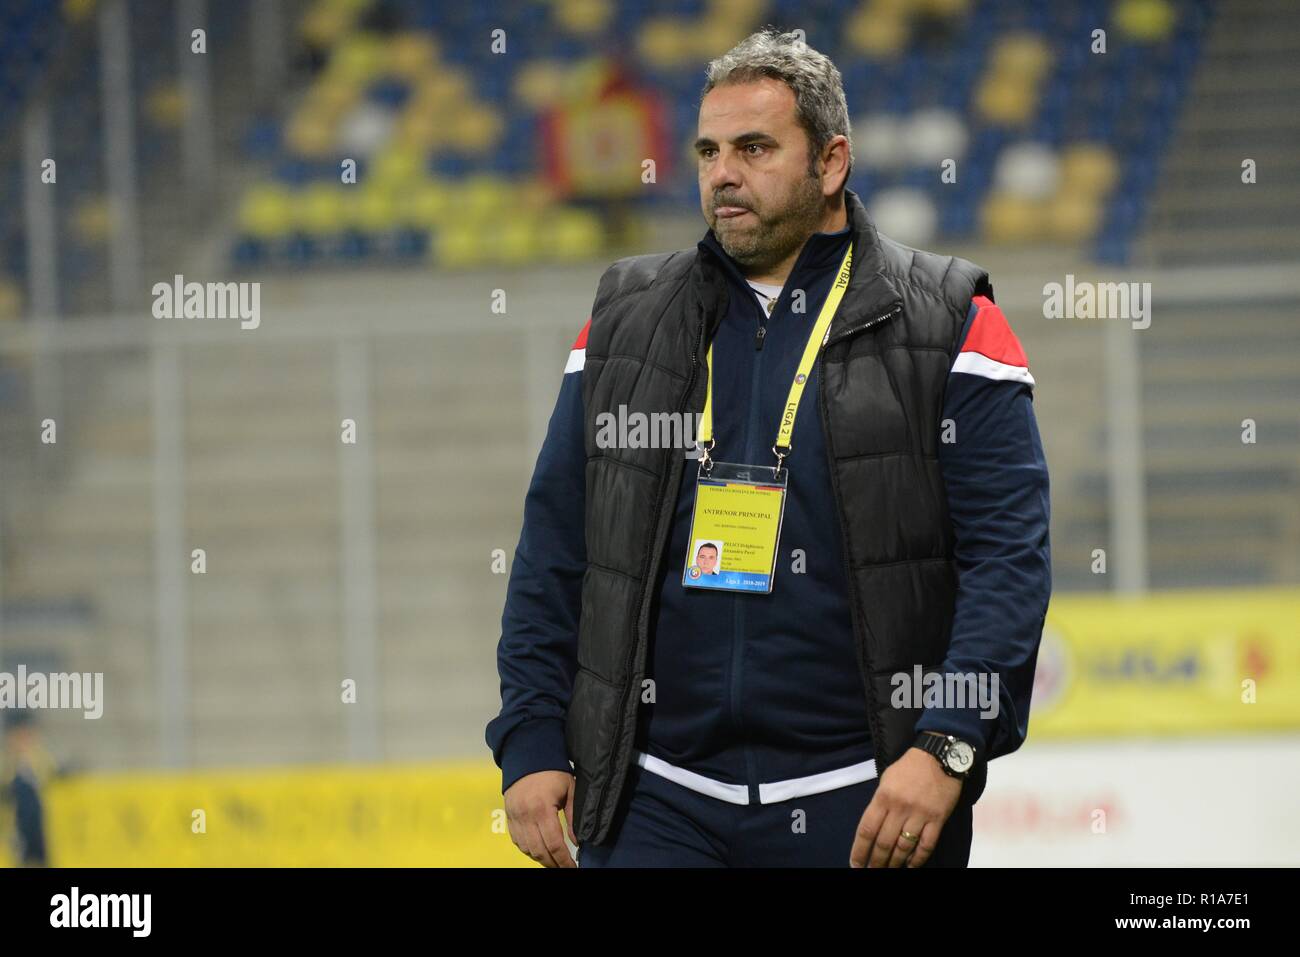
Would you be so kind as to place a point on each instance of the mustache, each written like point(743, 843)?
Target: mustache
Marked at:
point(724, 201)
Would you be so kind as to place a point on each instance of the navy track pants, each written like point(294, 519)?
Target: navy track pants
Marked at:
point(660, 823)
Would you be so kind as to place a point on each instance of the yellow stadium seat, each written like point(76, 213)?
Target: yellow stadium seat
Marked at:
point(443, 90)
point(359, 59)
point(425, 204)
point(1144, 21)
point(319, 209)
point(165, 106)
point(76, 11)
point(310, 136)
point(573, 235)
point(1073, 218)
point(533, 195)
point(483, 196)
point(1005, 101)
point(665, 42)
point(412, 56)
point(476, 129)
point(879, 35)
point(266, 212)
point(586, 78)
point(322, 26)
point(583, 16)
point(1022, 56)
point(420, 130)
point(1012, 219)
point(887, 8)
point(515, 241)
point(92, 222)
point(376, 210)
point(1088, 169)
point(943, 8)
point(714, 35)
point(736, 10)
point(398, 167)
point(539, 84)
point(11, 300)
point(333, 96)
point(459, 246)
point(330, 98)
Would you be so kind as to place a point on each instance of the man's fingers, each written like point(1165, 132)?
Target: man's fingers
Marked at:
point(529, 840)
point(909, 838)
point(886, 838)
point(865, 836)
point(522, 833)
point(553, 846)
point(540, 852)
point(929, 838)
point(514, 834)
point(568, 810)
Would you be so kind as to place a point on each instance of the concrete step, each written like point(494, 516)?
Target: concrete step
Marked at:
point(1159, 367)
point(1236, 244)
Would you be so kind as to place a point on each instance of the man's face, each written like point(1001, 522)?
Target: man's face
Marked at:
point(753, 157)
point(707, 558)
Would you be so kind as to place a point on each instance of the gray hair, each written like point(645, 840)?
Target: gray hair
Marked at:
point(817, 85)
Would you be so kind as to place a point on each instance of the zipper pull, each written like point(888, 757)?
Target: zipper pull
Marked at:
point(758, 340)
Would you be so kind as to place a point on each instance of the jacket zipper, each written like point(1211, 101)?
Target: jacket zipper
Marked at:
point(762, 319)
point(753, 427)
point(874, 320)
point(653, 558)
point(864, 665)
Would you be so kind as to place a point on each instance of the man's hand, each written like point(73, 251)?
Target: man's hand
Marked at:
point(914, 795)
point(533, 804)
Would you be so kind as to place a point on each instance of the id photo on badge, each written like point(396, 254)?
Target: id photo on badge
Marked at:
point(708, 558)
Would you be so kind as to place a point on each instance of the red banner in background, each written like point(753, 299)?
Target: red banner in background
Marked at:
point(596, 147)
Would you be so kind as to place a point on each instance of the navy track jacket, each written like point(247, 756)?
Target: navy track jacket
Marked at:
point(748, 688)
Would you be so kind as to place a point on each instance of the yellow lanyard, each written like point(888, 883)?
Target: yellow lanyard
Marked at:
point(820, 333)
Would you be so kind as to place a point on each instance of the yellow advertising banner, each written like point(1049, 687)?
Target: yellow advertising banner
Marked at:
point(1196, 662)
point(376, 816)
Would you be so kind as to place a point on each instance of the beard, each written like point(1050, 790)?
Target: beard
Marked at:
point(777, 229)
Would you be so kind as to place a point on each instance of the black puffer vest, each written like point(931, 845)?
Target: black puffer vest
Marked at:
point(882, 373)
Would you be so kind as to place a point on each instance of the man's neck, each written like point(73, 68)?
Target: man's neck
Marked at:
point(835, 219)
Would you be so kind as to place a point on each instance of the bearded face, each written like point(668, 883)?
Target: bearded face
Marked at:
point(760, 191)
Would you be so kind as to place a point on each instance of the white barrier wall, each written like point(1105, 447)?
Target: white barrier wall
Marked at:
point(1143, 802)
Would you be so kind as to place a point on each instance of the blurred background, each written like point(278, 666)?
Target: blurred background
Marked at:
point(426, 194)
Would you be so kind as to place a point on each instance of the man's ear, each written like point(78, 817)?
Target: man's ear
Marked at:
point(824, 161)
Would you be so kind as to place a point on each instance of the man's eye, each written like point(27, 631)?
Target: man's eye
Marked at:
point(707, 152)
point(754, 146)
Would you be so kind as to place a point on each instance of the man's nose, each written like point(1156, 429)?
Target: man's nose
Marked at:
point(724, 172)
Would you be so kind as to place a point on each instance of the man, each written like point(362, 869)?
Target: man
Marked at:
point(24, 771)
point(706, 559)
point(906, 516)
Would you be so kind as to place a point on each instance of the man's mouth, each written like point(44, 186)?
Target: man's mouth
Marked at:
point(729, 212)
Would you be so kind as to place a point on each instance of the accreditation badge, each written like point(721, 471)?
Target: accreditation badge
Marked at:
point(735, 527)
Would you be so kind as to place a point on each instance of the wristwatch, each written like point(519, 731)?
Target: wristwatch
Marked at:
point(954, 755)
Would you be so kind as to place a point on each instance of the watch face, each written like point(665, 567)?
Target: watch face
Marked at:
point(960, 756)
